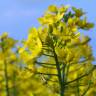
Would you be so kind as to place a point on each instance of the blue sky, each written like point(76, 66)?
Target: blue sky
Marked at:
point(17, 16)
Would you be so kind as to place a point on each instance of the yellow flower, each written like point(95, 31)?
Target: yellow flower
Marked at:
point(52, 8)
point(63, 8)
point(4, 35)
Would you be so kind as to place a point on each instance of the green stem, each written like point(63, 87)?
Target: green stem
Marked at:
point(5, 72)
point(78, 90)
point(61, 83)
point(86, 74)
point(6, 78)
point(86, 90)
point(40, 72)
point(14, 84)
